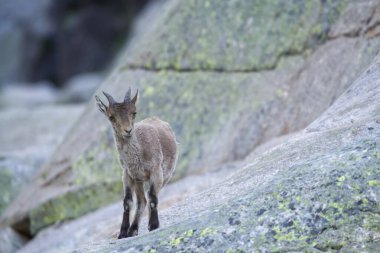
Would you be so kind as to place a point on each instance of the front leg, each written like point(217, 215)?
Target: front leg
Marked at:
point(141, 203)
point(127, 205)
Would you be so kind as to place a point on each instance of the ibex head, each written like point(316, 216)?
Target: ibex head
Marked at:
point(121, 115)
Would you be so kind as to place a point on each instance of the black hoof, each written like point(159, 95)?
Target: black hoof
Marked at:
point(122, 235)
point(133, 231)
point(153, 225)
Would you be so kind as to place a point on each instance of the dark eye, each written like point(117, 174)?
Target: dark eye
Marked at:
point(112, 118)
point(134, 115)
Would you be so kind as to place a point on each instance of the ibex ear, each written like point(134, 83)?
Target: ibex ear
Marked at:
point(135, 99)
point(101, 106)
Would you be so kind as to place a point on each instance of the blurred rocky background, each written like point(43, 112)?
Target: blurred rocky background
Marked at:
point(275, 104)
point(59, 51)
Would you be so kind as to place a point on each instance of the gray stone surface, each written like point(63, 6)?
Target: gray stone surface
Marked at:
point(28, 138)
point(10, 241)
point(355, 20)
point(243, 110)
point(317, 191)
point(233, 35)
point(104, 224)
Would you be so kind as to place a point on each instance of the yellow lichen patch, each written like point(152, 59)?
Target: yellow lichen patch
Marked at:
point(374, 183)
point(189, 233)
point(207, 231)
point(340, 180)
point(176, 241)
point(286, 237)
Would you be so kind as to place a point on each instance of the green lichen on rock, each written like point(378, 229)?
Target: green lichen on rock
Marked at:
point(197, 35)
point(374, 183)
point(193, 121)
point(297, 210)
point(179, 98)
point(96, 182)
point(234, 35)
point(74, 203)
point(98, 164)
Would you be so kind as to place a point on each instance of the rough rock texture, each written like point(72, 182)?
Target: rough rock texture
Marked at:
point(104, 224)
point(319, 191)
point(10, 241)
point(23, 150)
point(359, 18)
point(233, 35)
point(242, 111)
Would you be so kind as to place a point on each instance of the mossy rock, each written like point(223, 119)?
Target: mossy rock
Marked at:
point(318, 191)
point(179, 98)
point(74, 203)
point(95, 163)
point(205, 108)
point(326, 201)
point(233, 35)
point(22, 150)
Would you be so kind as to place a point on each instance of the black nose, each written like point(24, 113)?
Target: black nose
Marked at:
point(128, 132)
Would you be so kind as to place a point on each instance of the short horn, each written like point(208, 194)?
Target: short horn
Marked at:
point(110, 99)
point(136, 97)
point(127, 98)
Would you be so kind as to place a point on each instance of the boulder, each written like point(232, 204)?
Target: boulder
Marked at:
point(301, 195)
point(24, 149)
point(317, 191)
point(10, 241)
point(28, 138)
point(233, 36)
point(220, 114)
point(104, 223)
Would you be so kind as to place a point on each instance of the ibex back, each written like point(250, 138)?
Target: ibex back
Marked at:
point(147, 153)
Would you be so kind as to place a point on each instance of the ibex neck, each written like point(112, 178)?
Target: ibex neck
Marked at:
point(123, 143)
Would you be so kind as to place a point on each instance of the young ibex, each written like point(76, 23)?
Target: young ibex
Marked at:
point(147, 153)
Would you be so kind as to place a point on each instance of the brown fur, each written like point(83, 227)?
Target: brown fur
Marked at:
point(147, 153)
